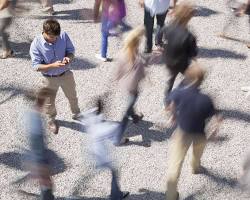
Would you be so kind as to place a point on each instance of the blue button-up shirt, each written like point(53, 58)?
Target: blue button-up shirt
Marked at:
point(42, 52)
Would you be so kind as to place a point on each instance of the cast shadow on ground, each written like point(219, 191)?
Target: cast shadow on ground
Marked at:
point(16, 160)
point(62, 1)
point(13, 91)
point(201, 11)
point(21, 49)
point(235, 114)
point(220, 53)
point(76, 126)
point(218, 179)
point(84, 15)
point(142, 195)
point(218, 139)
point(148, 133)
point(82, 64)
point(143, 128)
point(232, 183)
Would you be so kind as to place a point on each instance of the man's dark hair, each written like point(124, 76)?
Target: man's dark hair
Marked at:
point(51, 27)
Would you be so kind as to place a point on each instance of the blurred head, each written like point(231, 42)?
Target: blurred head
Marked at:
point(194, 74)
point(183, 13)
point(51, 30)
point(132, 41)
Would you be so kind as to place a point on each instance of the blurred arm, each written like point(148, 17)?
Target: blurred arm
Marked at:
point(4, 4)
point(70, 49)
point(141, 3)
point(96, 9)
point(172, 109)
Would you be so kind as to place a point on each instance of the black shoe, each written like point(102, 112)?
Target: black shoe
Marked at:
point(125, 194)
point(136, 118)
point(47, 195)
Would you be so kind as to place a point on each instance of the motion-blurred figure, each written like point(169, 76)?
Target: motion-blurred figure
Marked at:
point(101, 132)
point(47, 7)
point(237, 9)
point(6, 14)
point(113, 16)
point(37, 162)
point(131, 72)
point(181, 46)
point(190, 109)
point(152, 9)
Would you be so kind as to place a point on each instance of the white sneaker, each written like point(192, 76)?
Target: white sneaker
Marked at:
point(103, 59)
point(78, 117)
point(246, 89)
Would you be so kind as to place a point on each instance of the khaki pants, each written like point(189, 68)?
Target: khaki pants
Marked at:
point(68, 85)
point(180, 143)
point(47, 4)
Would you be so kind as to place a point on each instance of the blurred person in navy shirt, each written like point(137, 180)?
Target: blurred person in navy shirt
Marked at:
point(190, 109)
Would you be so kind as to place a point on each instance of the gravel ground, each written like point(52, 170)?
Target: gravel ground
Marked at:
point(143, 170)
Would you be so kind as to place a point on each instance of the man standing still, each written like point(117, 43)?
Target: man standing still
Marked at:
point(51, 53)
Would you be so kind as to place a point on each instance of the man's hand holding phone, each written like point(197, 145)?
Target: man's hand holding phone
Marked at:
point(66, 60)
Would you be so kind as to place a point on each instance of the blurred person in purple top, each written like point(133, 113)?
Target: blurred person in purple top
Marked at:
point(51, 54)
point(113, 14)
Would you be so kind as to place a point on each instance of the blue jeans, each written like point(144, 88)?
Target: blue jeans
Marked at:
point(106, 26)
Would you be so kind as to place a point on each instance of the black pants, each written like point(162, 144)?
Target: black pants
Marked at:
point(174, 71)
point(149, 25)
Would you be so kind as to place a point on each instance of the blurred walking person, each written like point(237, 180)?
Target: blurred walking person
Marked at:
point(152, 9)
point(47, 7)
point(181, 47)
point(190, 109)
point(6, 14)
point(113, 15)
point(38, 161)
point(131, 72)
point(101, 132)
